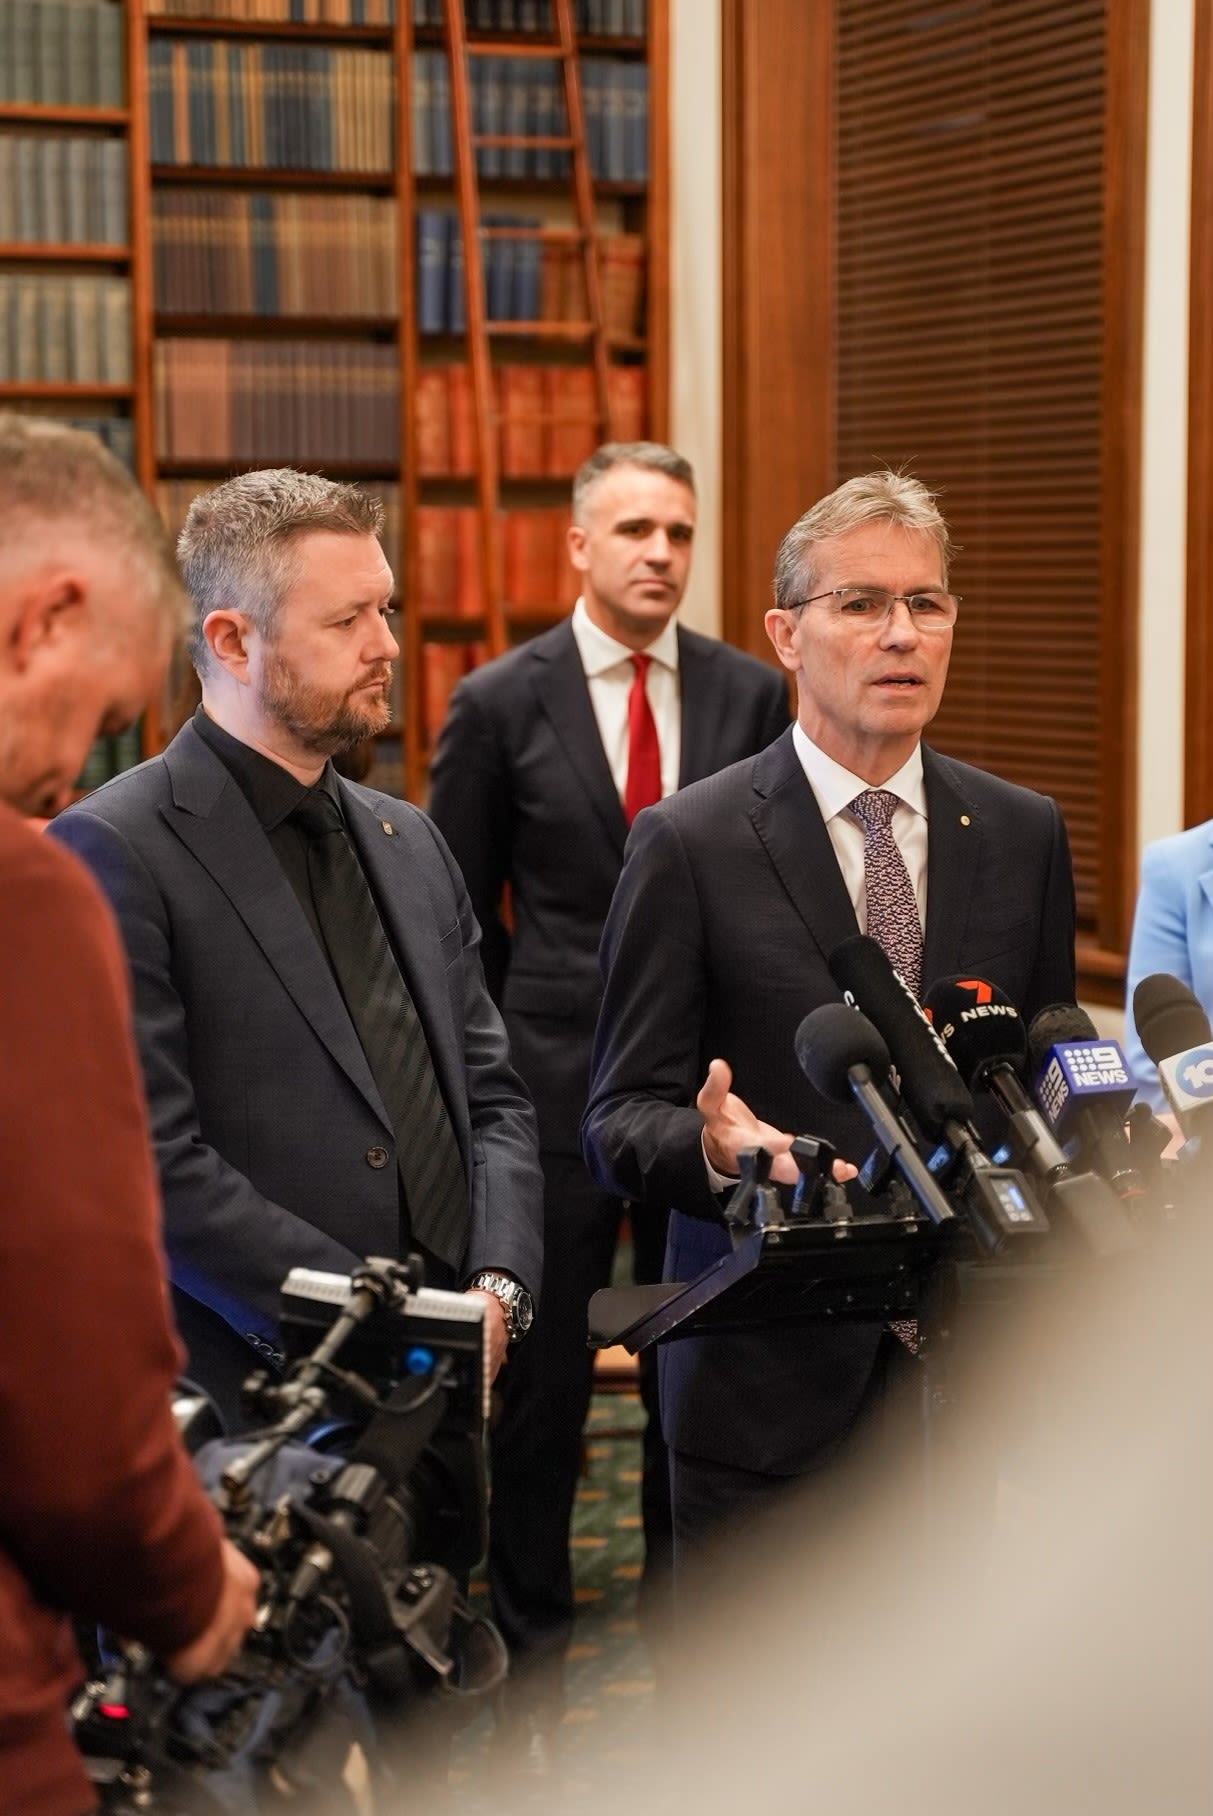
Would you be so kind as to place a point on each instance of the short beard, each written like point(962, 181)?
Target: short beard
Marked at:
point(319, 723)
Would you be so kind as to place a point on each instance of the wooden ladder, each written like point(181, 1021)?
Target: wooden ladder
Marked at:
point(480, 330)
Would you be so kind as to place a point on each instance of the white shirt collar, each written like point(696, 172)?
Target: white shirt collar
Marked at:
point(835, 787)
point(599, 652)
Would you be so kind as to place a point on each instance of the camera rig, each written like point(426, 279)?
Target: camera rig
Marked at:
point(361, 1498)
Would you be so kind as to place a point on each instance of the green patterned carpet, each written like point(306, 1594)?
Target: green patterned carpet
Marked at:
point(609, 1685)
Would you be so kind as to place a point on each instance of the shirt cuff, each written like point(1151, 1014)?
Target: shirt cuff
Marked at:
point(719, 1182)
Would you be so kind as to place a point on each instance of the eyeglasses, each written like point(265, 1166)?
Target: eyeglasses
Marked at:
point(870, 605)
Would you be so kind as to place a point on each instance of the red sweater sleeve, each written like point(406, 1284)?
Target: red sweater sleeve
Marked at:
point(100, 1509)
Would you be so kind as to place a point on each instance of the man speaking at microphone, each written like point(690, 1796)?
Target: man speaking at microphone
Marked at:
point(735, 892)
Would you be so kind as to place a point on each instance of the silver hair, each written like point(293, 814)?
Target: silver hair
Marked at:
point(237, 547)
point(654, 456)
point(883, 497)
point(53, 474)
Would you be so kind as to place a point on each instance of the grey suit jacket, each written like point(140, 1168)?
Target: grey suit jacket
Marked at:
point(274, 1146)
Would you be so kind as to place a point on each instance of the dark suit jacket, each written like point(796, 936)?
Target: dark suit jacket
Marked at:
point(522, 791)
point(729, 905)
point(274, 1147)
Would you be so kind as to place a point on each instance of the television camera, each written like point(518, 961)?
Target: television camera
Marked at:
point(361, 1497)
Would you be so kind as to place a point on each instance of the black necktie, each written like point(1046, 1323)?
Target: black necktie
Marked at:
point(386, 1021)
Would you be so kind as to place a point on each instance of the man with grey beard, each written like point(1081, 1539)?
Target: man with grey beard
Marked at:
point(327, 1075)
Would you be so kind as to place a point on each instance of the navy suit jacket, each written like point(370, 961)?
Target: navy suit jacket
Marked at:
point(522, 790)
point(730, 903)
point(274, 1146)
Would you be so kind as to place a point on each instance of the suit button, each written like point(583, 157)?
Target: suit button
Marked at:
point(377, 1157)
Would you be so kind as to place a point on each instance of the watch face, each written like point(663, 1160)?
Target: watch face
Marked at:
point(524, 1313)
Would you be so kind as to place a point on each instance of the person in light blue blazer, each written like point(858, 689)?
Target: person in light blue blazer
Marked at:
point(1172, 932)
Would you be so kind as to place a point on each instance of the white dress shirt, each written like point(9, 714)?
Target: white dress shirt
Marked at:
point(609, 675)
point(834, 788)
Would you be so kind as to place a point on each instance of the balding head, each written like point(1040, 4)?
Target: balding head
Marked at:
point(90, 603)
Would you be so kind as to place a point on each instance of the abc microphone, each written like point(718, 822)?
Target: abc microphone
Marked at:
point(997, 1199)
point(984, 1033)
point(842, 1056)
point(1174, 1031)
point(1084, 1092)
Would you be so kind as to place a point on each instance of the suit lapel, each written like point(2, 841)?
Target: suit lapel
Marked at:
point(701, 689)
point(955, 850)
point(408, 915)
point(788, 820)
point(212, 818)
point(562, 695)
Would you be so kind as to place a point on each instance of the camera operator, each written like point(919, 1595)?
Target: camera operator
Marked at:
point(100, 1515)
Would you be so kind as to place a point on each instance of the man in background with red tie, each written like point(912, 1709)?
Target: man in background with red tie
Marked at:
point(731, 901)
point(547, 756)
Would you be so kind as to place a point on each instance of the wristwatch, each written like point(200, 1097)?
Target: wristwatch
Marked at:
point(513, 1299)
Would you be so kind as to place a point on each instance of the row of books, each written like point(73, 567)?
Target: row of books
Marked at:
point(524, 97)
point(270, 401)
point(276, 12)
point(65, 330)
point(62, 53)
point(537, 576)
point(270, 106)
point(233, 253)
point(63, 190)
point(601, 18)
point(528, 279)
point(597, 18)
point(547, 418)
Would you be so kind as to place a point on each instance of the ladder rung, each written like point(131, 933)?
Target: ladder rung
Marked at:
point(543, 330)
point(519, 140)
point(485, 47)
point(565, 235)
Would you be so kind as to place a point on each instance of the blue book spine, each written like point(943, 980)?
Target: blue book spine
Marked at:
point(264, 238)
point(235, 106)
point(516, 84)
point(639, 119)
point(432, 230)
point(528, 258)
point(441, 150)
point(592, 99)
point(456, 301)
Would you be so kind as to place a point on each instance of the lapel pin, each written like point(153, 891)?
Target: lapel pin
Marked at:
point(964, 820)
point(388, 828)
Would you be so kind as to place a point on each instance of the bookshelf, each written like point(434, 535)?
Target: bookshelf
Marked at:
point(277, 177)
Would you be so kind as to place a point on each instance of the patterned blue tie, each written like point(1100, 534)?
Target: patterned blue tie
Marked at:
point(892, 905)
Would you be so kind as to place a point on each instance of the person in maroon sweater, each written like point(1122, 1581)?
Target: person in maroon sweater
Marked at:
point(101, 1515)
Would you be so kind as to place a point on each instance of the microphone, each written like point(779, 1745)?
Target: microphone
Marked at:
point(998, 1200)
point(1084, 1089)
point(1175, 1032)
point(985, 1038)
point(844, 1058)
point(985, 1035)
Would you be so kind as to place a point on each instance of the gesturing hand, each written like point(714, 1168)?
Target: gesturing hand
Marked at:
point(730, 1125)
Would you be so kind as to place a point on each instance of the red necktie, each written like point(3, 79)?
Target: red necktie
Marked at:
point(644, 753)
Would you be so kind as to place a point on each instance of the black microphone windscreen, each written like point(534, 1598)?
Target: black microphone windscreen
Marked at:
point(978, 1024)
point(833, 1039)
point(930, 1083)
point(1054, 1026)
point(1168, 1017)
